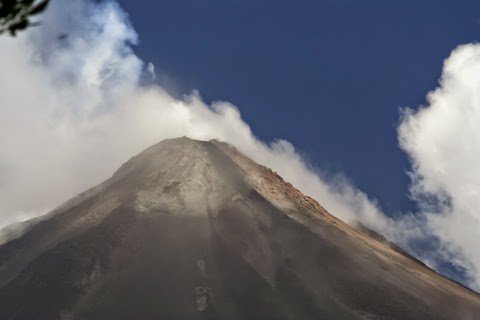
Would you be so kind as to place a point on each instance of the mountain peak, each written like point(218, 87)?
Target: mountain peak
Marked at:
point(180, 175)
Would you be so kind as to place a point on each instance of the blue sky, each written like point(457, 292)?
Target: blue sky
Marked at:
point(329, 76)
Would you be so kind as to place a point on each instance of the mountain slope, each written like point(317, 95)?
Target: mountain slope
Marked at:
point(195, 230)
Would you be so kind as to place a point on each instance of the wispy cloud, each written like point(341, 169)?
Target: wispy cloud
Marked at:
point(151, 70)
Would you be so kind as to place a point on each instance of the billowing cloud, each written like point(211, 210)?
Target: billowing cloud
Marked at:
point(443, 142)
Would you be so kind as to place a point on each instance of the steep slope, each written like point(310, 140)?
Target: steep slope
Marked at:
point(195, 230)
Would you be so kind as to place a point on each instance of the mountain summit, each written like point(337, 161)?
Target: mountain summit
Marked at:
point(196, 230)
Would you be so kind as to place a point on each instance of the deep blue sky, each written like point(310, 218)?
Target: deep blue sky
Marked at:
point(329, 76)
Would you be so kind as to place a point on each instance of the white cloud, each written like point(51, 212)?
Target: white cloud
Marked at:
point(443, 142)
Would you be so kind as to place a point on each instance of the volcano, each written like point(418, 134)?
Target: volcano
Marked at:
point(193, 229)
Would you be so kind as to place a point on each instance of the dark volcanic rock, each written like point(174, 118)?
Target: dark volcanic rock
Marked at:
point(195, 230)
